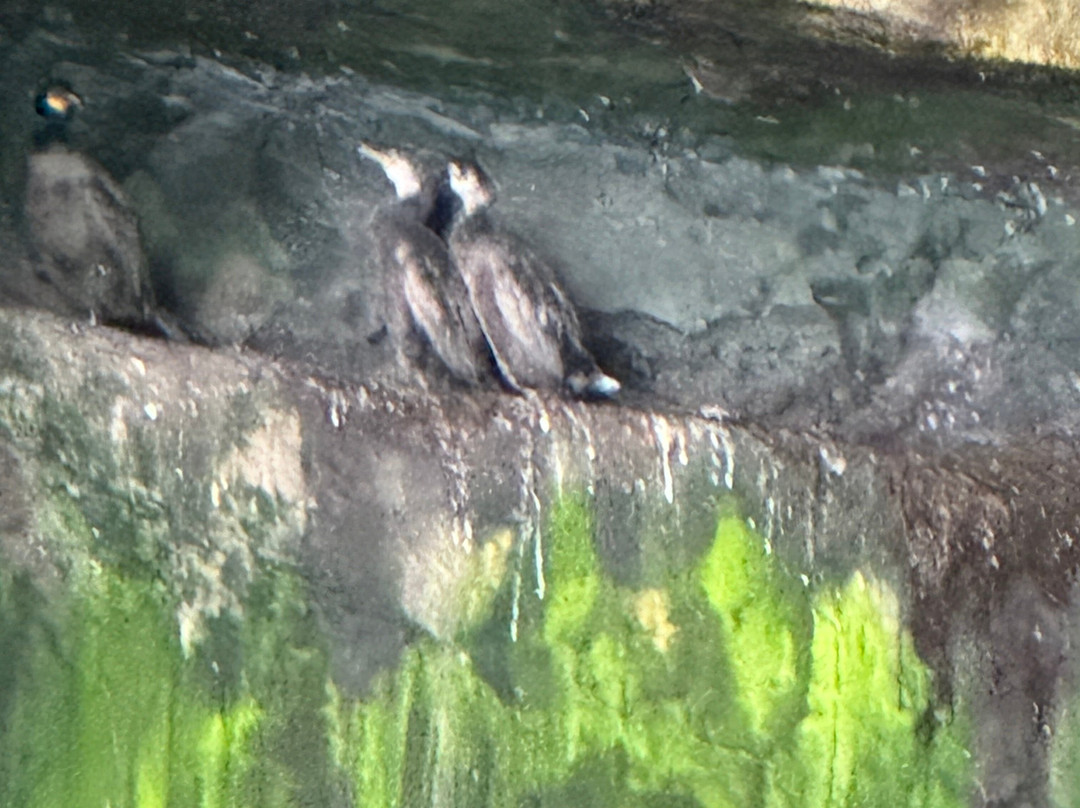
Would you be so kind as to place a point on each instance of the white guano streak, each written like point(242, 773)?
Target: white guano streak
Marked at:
point(662, 432)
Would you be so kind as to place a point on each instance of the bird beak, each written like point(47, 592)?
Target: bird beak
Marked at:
point(396, 168)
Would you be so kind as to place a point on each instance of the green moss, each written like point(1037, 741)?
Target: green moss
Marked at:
point(871, 716)
point(93, 700)
point(759, 626)
point(575, 577)
point(728, 687)
point(100, 702)
point(107, 710)
point(726, 684)
point(1065, 752)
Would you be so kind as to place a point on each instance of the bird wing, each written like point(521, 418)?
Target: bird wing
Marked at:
point(509, 304)
point(439, 310)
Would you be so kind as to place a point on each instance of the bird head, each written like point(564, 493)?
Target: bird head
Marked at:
point(473, 187)
point(398, 169)
point(57, 103)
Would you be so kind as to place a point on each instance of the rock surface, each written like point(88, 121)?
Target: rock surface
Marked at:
point(862, 299)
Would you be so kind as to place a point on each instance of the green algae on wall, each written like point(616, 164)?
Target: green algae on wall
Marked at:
point(107, 711)
point(1065, 750)
point(730, 686)
point(160, 651)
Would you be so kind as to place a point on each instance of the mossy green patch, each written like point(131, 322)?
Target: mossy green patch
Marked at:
point(730, 686)
point(102, 703)
point(760, 625)
point(1065, 751)
point(725, 683)
point(574, 572)
point(871, 715)
point(106, 710)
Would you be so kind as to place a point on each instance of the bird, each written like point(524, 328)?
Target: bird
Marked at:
point(85, 241)
point(425, 285)
point(530, 325)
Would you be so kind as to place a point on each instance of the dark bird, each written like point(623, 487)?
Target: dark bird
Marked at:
point(85, 241)
point(530, 325)
point(425, 283)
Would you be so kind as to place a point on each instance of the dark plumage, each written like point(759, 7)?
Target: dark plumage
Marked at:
point(479, 297)
point(85, 240)
point(530, 325)
point(424, 283)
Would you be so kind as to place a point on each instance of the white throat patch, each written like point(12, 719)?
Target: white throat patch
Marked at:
point(466, 182)
point(397, 168)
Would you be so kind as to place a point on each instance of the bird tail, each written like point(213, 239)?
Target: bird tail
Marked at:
point(595, 385)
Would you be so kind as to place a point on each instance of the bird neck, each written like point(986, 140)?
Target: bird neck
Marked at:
point(446, 211)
